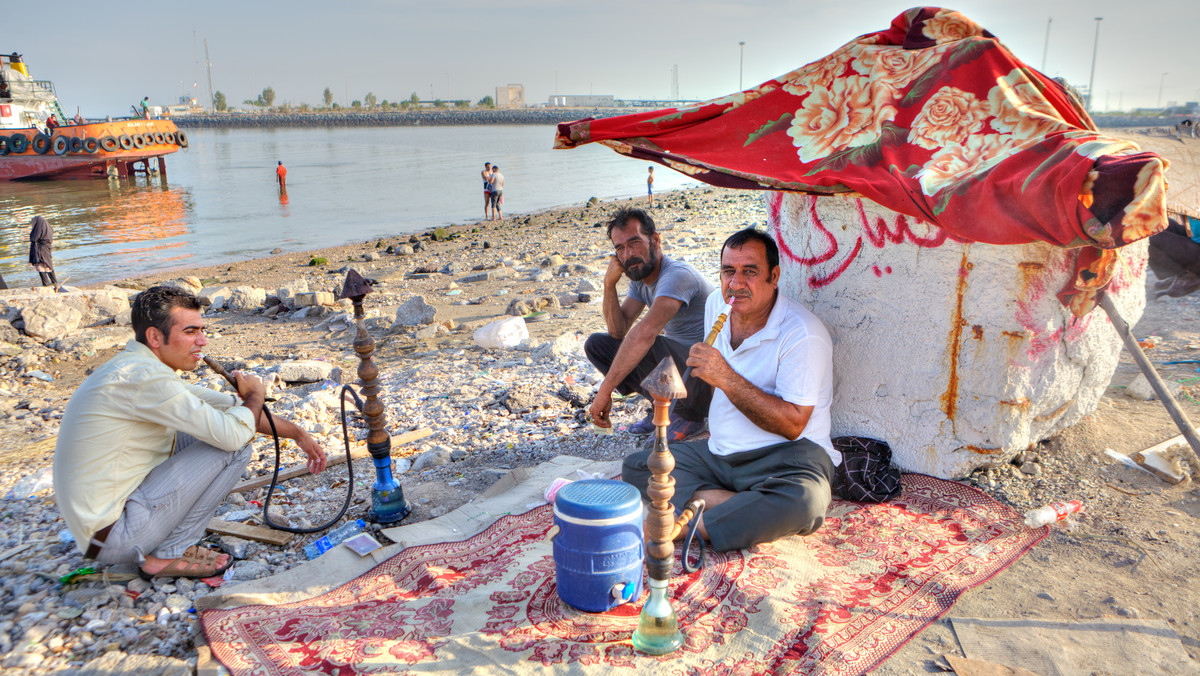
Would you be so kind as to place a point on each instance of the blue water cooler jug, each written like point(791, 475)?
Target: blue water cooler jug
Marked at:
point(599, 549)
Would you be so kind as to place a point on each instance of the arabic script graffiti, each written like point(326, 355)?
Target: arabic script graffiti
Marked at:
point(829, 256)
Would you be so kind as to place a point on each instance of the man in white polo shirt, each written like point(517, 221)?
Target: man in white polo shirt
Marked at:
point(766, 471)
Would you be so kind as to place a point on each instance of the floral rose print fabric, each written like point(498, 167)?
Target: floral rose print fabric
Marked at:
point(933, 118)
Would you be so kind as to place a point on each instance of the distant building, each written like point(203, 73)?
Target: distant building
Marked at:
point(581, 101)
point(188, 105)
point(512, 96)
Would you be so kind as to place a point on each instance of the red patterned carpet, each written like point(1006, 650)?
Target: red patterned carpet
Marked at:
point(837, 602)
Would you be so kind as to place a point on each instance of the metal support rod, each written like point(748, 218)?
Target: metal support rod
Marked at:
point(1160, 388)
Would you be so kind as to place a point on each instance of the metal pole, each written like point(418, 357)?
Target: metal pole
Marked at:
point(741, 60)
point(1095, 48)
point(1135, 350)
point(1046, 48)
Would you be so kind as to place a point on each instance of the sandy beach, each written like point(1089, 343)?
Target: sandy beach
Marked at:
point(1132, 554)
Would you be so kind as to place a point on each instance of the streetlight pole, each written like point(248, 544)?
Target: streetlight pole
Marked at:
point(741, 60)
point(1161, 80)
point(1095, 47)
point(1046, 48)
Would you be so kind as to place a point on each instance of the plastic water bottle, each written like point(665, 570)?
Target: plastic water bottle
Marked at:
point(1055, 511)
point(334, 538)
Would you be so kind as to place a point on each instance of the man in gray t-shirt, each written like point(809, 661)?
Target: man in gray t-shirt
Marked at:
point(675, 292)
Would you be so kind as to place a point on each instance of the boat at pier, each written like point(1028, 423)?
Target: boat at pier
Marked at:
point(75, 148)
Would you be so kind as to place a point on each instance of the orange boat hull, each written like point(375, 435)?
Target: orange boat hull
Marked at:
point(83, 164)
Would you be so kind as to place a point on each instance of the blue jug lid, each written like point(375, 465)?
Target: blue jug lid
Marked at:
point(597, 499)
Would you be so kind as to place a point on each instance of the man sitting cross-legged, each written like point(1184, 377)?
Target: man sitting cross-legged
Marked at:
point(767, 468)
point(144, 459)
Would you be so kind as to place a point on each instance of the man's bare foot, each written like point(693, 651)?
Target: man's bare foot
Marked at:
point(196, 562)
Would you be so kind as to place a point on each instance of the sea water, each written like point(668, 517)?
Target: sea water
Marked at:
point(219, 201)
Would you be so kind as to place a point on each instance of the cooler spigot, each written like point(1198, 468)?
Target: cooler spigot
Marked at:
point(658, 626)
point(387, 497)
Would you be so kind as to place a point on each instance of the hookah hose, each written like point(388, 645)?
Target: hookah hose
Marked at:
point(692, 534)
point(219, 370)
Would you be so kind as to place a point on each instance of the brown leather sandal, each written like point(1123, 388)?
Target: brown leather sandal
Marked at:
point(196, 562)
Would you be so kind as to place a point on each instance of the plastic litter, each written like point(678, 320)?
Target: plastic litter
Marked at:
point(502, 334)
point(334, 538)
point(553, 488)
point(1055, 511)
point(38, 481)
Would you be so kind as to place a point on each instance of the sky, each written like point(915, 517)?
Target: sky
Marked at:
point(105, 56)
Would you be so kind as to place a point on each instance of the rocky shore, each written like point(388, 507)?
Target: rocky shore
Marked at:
point(490, 410)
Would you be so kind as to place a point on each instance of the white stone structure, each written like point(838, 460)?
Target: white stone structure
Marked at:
point(957, 355)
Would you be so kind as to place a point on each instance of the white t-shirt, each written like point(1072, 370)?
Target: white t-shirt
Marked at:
point(791, 358)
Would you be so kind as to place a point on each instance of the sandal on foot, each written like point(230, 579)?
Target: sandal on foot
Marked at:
point(196, 562)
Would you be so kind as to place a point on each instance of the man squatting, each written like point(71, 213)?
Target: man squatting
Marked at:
point(143, 459)
point(632, 348)
point(767, 469)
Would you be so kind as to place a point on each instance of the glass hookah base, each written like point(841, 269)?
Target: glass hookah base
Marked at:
point(657, 635)
point(387, 507)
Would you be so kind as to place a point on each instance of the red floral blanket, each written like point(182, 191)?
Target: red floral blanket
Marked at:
point(835, 603)
point(933, 118)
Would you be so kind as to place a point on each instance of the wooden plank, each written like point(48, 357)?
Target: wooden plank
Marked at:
point(9, 553)
point(248, 532)
point(302, 469)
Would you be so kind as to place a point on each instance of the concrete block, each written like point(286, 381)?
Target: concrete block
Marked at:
point(307, 299)
point(957, 355)
point(304, 371)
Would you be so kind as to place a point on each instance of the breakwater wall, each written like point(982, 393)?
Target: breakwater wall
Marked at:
point(1139, 120)
point(396, 118)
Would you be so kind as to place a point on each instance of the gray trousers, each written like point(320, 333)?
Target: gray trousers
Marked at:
point(169, 511)
point(782, 489)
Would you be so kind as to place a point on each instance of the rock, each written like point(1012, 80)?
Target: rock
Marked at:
point(552, 261)
point(586, 285)
point(415, 312)
point(215, 297)
point(90, 341)
point(177, 603)
point(543, 276)
point(371, 256)
point(50, 318)
point(404, 250)
point(287, 293)
point(519, 307)
point(433, 458)
point(567, 299)
point(430, 332)
point(117, 662)
point(190, 284)
point(1139, 388)
point(249, 570)
point(977, 358)
point(304, 371)
point(245, 298)
point(562, 346)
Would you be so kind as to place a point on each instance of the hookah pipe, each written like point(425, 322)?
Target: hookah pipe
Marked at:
point(220, 370)
point(387, 497)
point(713, 333)
point(658, 626)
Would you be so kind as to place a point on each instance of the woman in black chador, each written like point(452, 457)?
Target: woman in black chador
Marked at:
point(41, 241)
